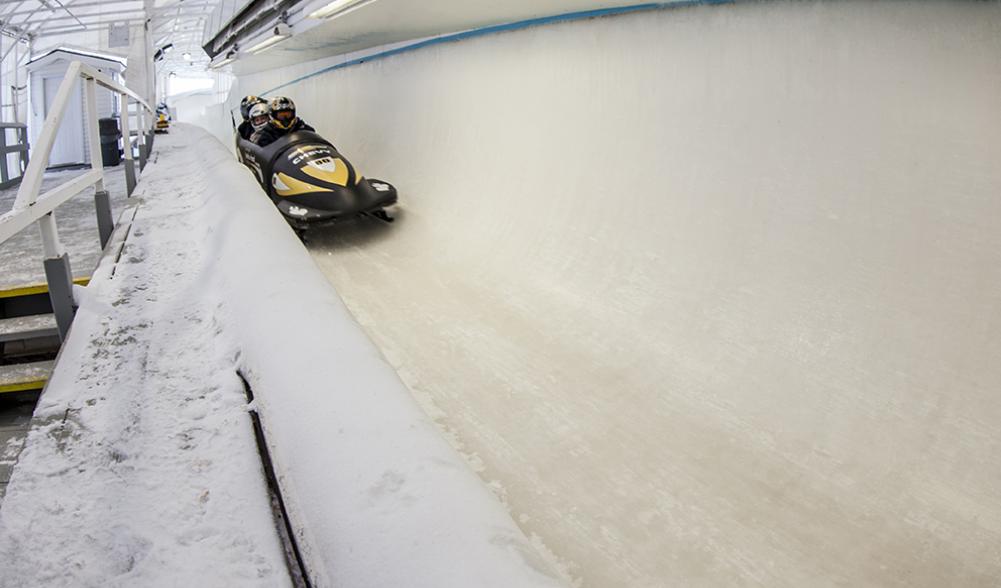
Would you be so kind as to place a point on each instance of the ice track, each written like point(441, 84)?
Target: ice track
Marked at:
point(711, 295)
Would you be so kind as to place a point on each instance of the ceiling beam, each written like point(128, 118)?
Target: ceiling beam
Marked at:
point(79, 5)
point(207, 6)
point(73, 29)
point(159, 24)
point(109, 17)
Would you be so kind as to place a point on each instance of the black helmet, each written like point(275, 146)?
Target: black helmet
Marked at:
point(247, 102)
point(283, 112)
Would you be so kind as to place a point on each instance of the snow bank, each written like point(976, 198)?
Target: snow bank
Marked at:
point(141, 467)
point(377, 496)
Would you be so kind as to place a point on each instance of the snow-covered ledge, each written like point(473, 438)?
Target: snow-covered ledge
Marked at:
point(141, 465)
point(375, 493)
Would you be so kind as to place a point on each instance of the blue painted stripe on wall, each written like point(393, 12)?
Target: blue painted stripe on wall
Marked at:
point(514, 26)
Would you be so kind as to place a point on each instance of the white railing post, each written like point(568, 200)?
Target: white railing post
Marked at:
point(51, 245)
point(130, 164)
point(93, 131)
point(150, 134)
point(141, 136)
point(102, 201)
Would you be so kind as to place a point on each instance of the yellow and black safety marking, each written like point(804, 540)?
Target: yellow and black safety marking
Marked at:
point(32, 289)
point(25, 386)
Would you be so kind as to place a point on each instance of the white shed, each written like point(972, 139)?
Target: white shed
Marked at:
point(45, 73)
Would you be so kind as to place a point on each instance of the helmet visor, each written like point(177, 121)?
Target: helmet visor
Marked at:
point(284, 116)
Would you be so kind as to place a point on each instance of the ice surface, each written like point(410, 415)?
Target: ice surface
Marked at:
point(712, 293)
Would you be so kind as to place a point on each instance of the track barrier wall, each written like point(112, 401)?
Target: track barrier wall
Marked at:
point(711, 292)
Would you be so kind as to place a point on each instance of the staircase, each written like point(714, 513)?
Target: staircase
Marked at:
point(29, 339)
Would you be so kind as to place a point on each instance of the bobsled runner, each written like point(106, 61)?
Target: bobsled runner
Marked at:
point(311, 183)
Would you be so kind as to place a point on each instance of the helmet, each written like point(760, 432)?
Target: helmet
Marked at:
point(247, 102)
point(259, 115)
point(283, 112)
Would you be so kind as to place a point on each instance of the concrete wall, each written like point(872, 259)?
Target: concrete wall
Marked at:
point(711, 294)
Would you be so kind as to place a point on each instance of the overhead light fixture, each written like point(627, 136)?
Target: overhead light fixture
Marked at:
point(278, 34)
point(186, 56)
point(338, 7)
point(173, 74)
point(229, 58)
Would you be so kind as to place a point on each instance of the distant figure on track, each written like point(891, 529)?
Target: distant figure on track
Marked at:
point(246, 129)
point(283, 121)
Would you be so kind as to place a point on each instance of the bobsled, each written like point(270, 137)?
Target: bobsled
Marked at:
point(162, 124)
point(311, 183)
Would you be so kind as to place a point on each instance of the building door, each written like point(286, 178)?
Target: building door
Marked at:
point(69, 145)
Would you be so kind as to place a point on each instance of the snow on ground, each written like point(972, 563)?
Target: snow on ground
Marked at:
point(141, 467)
point(21, 256)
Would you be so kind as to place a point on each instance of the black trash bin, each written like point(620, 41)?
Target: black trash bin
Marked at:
point(110, 134)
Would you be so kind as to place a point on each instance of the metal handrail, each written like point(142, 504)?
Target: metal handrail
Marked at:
point(30, 207)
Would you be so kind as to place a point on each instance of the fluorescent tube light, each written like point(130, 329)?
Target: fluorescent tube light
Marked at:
point(230, 58)
point(279, 34)
point(338, 7)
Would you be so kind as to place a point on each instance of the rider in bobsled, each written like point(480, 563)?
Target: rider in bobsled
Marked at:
point(260, 115)
point(283, 122)
point(246, 129)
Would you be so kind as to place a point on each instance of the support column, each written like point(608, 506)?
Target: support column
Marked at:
point(130, 164)
point(105, 220)
point(58, 275)
point(102, 202)
point(141, 136)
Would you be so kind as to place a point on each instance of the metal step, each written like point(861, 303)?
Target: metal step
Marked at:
point(28, 299)
point(10, 291)
point(25, 376)
point(32, 326)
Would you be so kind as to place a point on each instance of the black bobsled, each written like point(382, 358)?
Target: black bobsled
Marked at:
point(311, 183)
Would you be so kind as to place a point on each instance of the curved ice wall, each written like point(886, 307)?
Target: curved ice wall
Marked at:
point(712, 294)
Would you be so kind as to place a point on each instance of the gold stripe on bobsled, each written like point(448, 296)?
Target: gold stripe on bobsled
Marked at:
point(327, 169)
point(286, 185)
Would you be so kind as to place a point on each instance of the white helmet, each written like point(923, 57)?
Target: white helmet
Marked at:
point(260, 114)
